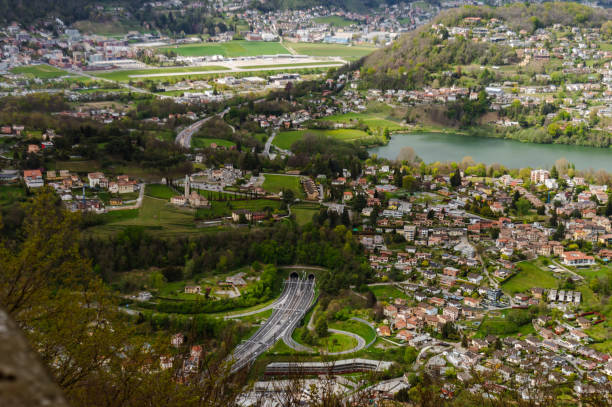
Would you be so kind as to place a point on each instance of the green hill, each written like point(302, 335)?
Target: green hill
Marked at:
point(430, 52)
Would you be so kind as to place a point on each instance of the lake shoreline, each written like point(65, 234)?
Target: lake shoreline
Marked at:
point(445, 146)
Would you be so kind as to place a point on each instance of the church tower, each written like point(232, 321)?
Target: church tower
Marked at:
point(187, 185)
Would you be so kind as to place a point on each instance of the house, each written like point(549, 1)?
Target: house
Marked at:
point(383, 330)
point(33, 178)
point(577, 259)
point(474, 278)
point(193, 289)
point(177, 340)
point(471, 302)
point(94, 179)
point(404, 335)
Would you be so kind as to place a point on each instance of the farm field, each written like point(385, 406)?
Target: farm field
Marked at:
point(530, 275)
point(275, 183)
point(285, 139)
point(40, 71)
point(230, 49)
point(201, 142)
point(125, 75)
point(331, 50)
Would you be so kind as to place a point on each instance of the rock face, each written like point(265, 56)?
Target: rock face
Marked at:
point(24, 381)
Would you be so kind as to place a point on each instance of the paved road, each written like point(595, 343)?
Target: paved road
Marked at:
point(293, 304)
point(269, 144)
point(184, 137)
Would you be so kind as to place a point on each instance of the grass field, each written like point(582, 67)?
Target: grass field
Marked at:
point(285, 139)
point(155, 214)
point(219, 209)
point(371, 119)
point(303, 216)
point(530, 275)
point(387, 292)
point(125, 75)
point(77, 166)
point(201, 142)
point(337, 343)
point(356, 327)
point(228, 49)
point(159, 191)
point(331, 50)
point(275, 183)
point(290, 65)
point(40, 71)
point(10, 194)
point(336, 21)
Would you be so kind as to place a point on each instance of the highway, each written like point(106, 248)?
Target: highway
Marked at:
point(184, 137)
point(289, 310)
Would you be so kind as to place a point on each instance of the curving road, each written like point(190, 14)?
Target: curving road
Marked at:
point(291, 307)
point(184, 137)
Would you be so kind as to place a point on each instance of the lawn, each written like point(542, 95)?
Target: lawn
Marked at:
point(387, 292)
point(332, 50)
point(303, 216)
point(285, 139)
point(155, 214)
point(40, 71)
point(127, 74)
point(159, 191)
point(275, 183)
point(528, 277)
point(356, 327)
point(337, 343)
point(336, 21)
point(201, 142)
point(371, 119)
point(77, 166)
point(228, 49)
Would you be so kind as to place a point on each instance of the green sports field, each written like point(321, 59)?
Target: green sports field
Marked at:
point(228, 49)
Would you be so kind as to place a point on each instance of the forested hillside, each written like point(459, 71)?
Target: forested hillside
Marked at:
point(28, 11)
point(418, 57)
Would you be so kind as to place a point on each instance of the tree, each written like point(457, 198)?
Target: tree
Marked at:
point(522, 206)
point(321, 328)
point(554, 174)
point(609, 206)
point(456, 179)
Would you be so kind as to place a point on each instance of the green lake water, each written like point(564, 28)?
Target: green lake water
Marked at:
point(432, 147)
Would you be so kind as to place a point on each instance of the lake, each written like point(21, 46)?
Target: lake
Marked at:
point(442, 147)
